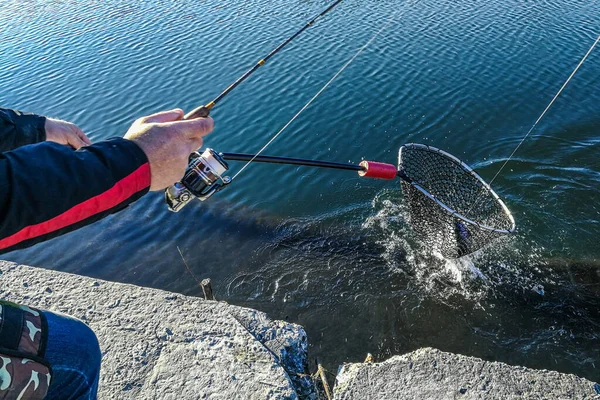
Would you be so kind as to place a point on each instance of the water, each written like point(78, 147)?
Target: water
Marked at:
point(324, 248)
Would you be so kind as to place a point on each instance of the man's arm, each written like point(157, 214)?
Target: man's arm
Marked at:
point(19, 129)
point(48, 189)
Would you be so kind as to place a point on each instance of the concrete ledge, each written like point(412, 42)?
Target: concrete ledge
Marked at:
point(161, 345)
point(433, 374)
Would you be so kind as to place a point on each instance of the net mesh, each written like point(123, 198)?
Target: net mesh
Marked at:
point(450, 207)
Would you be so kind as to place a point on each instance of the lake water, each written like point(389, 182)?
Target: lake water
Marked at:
point(322, 248)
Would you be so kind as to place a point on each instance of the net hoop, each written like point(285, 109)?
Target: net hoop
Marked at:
point(468, 169)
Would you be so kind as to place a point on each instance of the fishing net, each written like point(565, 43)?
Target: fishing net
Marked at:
point(450, 206)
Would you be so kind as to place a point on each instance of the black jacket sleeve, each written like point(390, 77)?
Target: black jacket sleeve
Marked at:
point(19, 129)
point(48, 189)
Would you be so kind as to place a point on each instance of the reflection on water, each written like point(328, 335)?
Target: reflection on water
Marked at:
point(323, 248)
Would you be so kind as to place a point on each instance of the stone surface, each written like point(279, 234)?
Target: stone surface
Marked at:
point(161, 345)
point(432, 374)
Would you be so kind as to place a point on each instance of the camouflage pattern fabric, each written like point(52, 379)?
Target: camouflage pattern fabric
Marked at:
point(24, 373)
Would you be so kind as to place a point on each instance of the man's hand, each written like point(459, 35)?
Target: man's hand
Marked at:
point(66, 133)
point(168, 142)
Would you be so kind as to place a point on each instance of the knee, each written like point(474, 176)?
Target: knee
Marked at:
point(87, 344)
point(71, 341)
point(74, 354)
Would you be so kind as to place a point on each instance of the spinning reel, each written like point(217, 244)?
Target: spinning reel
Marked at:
point(203, 178)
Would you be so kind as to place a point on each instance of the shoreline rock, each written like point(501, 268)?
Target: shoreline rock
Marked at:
point(163, 345)
point(433, 374)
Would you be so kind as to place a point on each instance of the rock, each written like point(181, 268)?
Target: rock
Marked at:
point(160, 345)
point(433, 374)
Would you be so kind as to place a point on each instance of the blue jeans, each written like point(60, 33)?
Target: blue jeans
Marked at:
point(74, 354)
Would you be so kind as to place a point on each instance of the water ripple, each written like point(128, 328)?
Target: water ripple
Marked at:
point(325, 248)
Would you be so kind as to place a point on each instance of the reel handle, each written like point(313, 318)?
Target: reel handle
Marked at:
point(200, 112)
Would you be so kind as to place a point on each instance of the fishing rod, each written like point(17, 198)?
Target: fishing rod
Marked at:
point(204, 111)
point(204, 174)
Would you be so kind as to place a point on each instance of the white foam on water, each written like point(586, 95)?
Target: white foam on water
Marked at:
point(474, 277)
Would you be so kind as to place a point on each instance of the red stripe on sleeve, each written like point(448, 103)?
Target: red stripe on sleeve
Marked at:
point(121, 191)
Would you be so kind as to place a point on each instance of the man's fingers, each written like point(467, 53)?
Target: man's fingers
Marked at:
point(197, 143)
point(167, 140)
point(86, 140)
point(76, 142)
point(163, 116)
point(194, 128)
point(202, 127)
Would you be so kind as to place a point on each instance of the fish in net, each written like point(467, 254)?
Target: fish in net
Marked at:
point(450, 206)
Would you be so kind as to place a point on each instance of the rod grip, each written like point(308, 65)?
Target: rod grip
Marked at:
point(377, 170)
point(199, 112)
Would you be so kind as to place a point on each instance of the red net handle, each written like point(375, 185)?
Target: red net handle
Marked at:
point(378, 170)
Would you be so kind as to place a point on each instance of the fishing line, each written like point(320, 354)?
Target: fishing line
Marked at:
point(479, 196)
point(188, 267)
point(363, 48)
point(449, 205)
point(204, 175)
point(545, 110)
point(204, 111)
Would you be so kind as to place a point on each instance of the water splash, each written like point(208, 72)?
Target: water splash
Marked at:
point(503, 267)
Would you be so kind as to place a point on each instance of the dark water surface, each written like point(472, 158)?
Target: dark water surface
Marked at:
point(323, 248)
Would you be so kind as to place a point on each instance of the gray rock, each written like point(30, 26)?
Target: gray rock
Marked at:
point(161, 345)
point(158, 345)
point(433, 374)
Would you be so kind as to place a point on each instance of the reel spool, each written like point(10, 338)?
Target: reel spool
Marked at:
point(450, 205)
point(203, 178)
